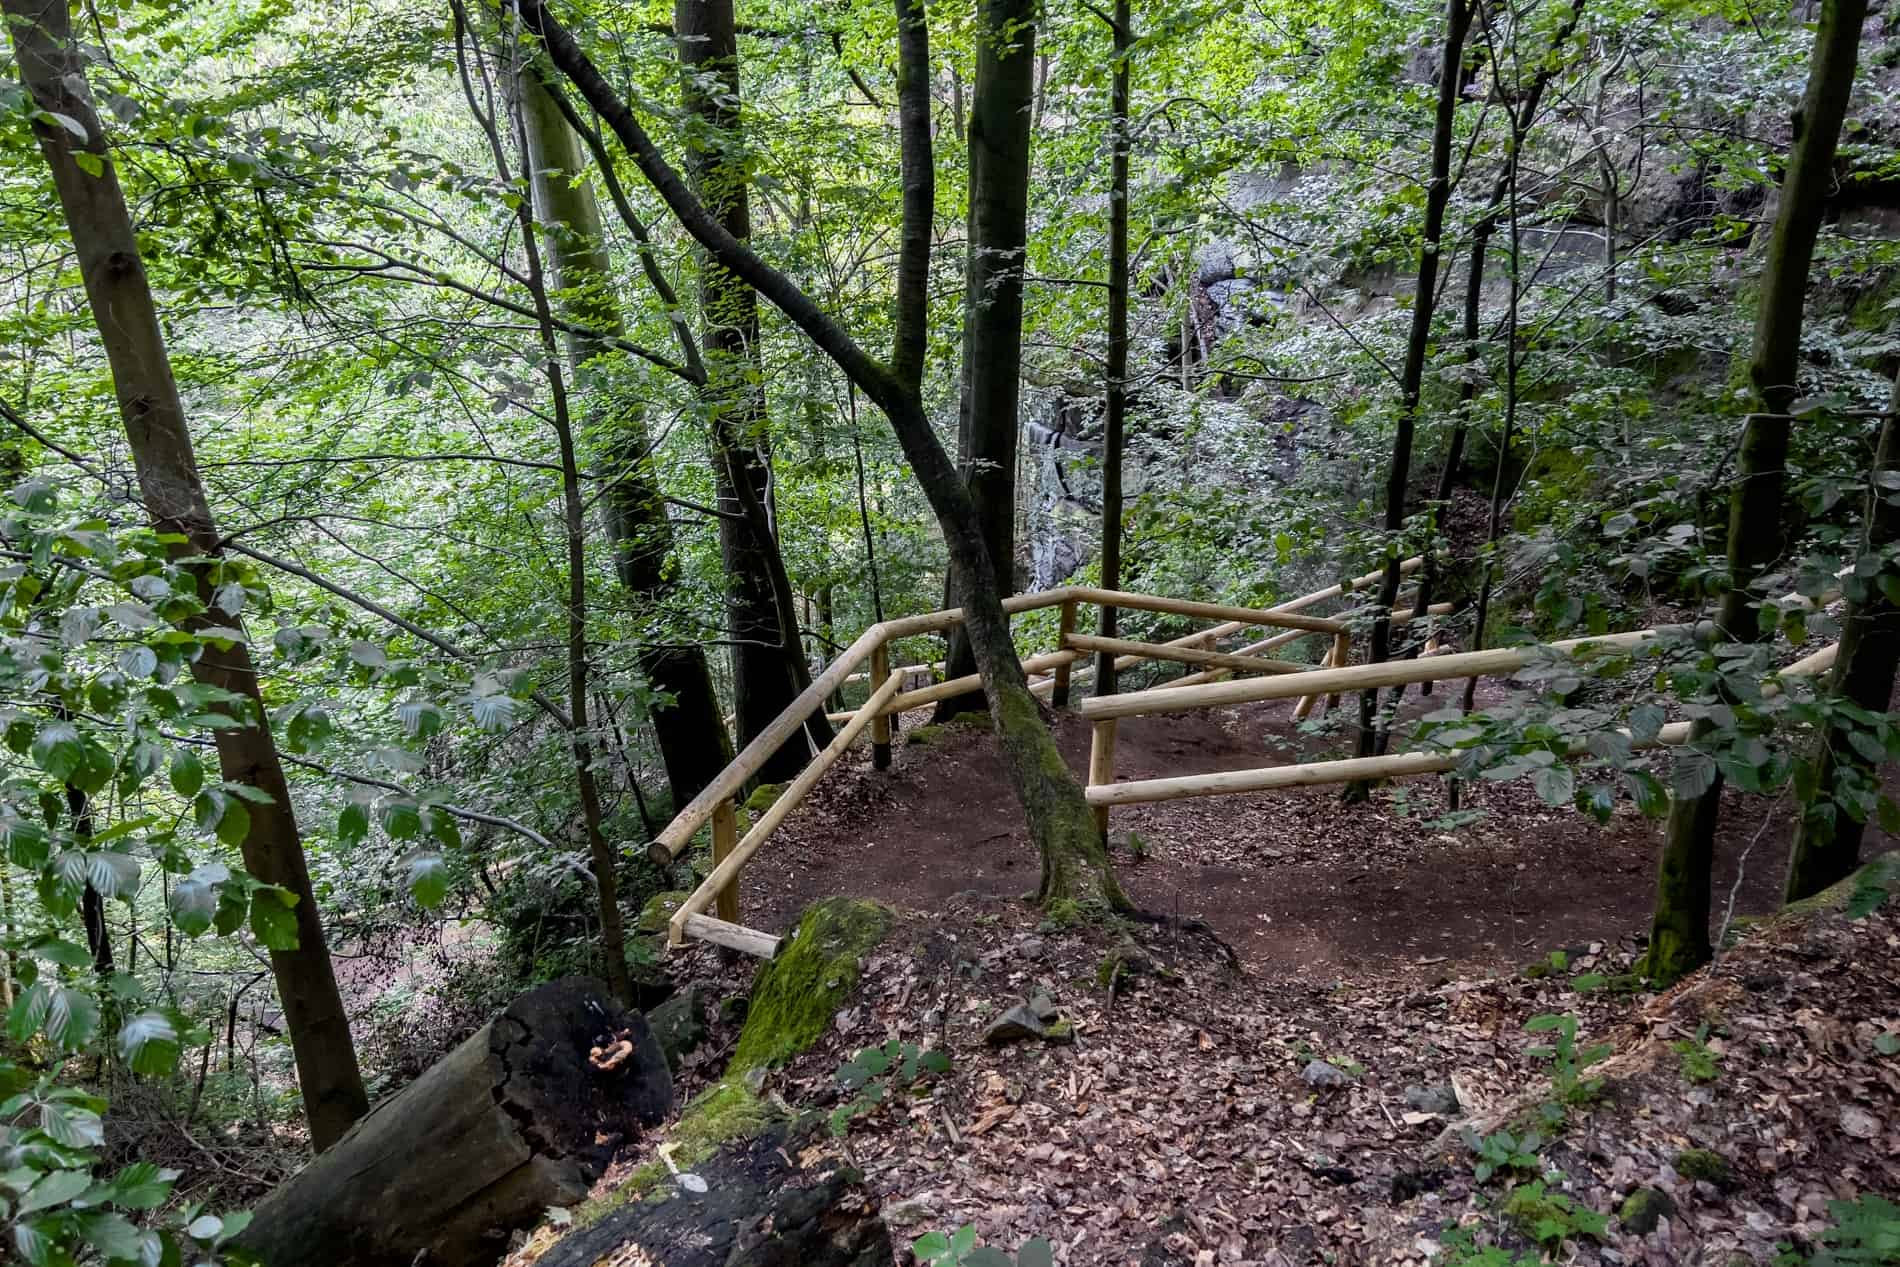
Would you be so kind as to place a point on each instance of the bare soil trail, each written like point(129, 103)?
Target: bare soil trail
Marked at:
point(1295, 881)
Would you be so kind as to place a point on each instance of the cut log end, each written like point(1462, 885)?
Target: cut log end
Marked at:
point(522, 1116)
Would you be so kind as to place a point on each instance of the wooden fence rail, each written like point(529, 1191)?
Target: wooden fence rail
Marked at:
point(868, 659)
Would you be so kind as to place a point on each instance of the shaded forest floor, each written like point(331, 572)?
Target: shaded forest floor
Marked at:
point(1296, 882)
point(1187, 1123)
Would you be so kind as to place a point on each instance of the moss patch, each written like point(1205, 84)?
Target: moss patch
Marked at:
point(1704, 1164)
point(937, 732)
point(795, 996)
point(659, 909)
point(724, 1112)
point(763, 797)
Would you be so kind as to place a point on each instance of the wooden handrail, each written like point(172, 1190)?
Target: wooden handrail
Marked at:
point(727, 871)
point(1358, 677)
point(1186, 655)
point(1205, 611)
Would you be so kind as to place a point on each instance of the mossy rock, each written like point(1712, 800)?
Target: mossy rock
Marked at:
point(1705, 1165)
point(795, 996)
point(937, 732)
point(763, 797)
point(659, 909)
point(1643, 1209)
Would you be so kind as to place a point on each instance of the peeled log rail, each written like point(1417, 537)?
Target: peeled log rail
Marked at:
point(1184, 655)
point(515, 1120)
point(1104, 794)
point(1359, 677)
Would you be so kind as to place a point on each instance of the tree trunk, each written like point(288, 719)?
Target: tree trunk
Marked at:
point(987, 422)
point(1412, 375)
point(127, 317)
point(1827, 839)
point(1075, 859)
point(1679, 937)
point(693, 741)
point(768, 669)
point(518, 1118)
point(1116, 386)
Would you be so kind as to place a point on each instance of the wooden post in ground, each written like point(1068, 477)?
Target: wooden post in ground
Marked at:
point(725, 833)
point(1342, 656)
point(1059, 698)
point(1102, 766)
point(881, 724)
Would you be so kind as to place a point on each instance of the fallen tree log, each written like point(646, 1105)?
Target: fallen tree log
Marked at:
point(758, 1209)
point(520, 1117)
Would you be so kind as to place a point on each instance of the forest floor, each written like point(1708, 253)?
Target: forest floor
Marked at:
point(1188, 1122)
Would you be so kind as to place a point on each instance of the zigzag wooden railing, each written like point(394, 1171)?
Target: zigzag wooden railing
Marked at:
point(869, 658)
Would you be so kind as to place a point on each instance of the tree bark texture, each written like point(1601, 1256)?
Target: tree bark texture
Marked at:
point(126, 314)
point(987, 421)
point(1115, 407)
point(768, 670)
point(1827, 839)
point(1679, 938)
point(693, 741)
point(758, 1210)
point(518, 1118)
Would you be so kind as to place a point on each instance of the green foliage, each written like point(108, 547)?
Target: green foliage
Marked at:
point(906, 1065)
point(1551, 1218)
point(1569, 1083)
point(1866, 1231)
point(1460, 1248)
point(959, 1249)
point(1699, 1063)
point(1503, 1153)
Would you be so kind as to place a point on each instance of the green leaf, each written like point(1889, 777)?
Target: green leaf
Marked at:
point(141, 1186)
point(1887, 1044)
point(234, 824)
point(352, 824)
point(962, 1241)
point(1035, 1253)
point(194, 902)
point(930, 1247)
point(188, 773)
point(57, 750)
point(149, 1043)
point(1556, 784)
point(273, 922)
point(428, 877)
point(985, 1257)
point(402, 818)
point(55, 1188)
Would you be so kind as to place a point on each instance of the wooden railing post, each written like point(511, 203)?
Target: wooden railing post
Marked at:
point(1342, 656)
point(881, 724)
point(725, 834)
point(1102, 766)
point(1059, 698)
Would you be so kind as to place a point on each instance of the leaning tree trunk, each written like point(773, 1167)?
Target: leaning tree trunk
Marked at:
point(987, 422)
point(693, 742)
point(1679, 931)
point(1075, 859)
point(1116, 387)
point(768, 668)
point(1827, 839)
point(106, 246)
point(524, 1115)
point(1412, 375)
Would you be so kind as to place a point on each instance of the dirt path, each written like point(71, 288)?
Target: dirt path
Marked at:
point(1298, 883)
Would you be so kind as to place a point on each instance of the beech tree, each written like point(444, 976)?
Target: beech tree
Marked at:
point(1075, 861)
point(86, 183)
point(1679, 930)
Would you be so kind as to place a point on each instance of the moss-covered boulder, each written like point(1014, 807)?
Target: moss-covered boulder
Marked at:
point(763, 797)
point(795, 996)
point(724, 1112)
point(1644, 1209)
point(660, 908)
point(1705, 1165)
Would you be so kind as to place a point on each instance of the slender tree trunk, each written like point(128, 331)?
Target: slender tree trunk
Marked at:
point(1075, 862)
point(768, 668)
point(987, 426)
point(106, 245)
point(1116, 386)
point(693, 741)
point(1412, 375)
point(1679, 932)
point(1828, 837)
